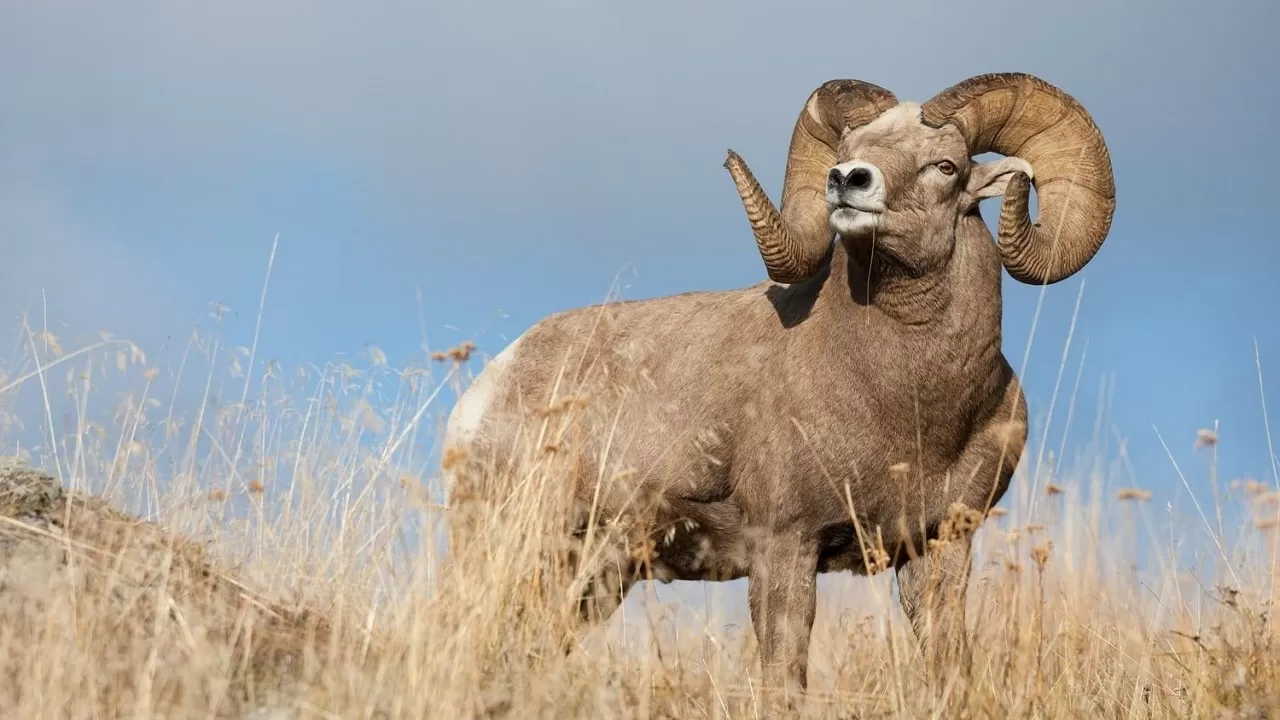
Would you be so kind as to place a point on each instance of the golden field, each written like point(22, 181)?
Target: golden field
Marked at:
point(291, 565)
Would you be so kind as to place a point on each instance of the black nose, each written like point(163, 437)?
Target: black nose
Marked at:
point(859, 178)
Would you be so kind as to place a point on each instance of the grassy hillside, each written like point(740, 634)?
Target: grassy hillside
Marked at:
point(290, 566)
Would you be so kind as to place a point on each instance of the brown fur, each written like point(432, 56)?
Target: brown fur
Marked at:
point(774, 432)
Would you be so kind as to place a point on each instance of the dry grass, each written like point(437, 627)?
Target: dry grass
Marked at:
point(292, 563)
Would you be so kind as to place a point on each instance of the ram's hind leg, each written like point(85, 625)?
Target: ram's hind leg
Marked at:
point(606, 574)
point(607, 589)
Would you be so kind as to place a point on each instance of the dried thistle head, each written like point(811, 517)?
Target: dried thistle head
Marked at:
point(961, 521)
point(453, 455)
point(1040, 553)
point(1206, 438)
point(256, 487)
point(877, 559)
point(459, 354)
point(1052, 489)
point(463, 352)
point(1133, 494)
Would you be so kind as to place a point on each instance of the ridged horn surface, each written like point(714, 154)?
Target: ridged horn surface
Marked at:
point(795, 241)
point(1016, 114)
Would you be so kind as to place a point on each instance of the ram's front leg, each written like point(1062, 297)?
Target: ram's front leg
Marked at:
point(782, 594)
point(933, 584)
point(932, 592)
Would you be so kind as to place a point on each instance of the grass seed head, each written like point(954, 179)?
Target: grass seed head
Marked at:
point(877, 559)
point(1133, 494)
point(961, 522)
point(453, 456)
point(1040, 553)
point(1205, 438)
point(1254, 487)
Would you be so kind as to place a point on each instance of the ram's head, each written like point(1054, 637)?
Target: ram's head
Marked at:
point(901, 175)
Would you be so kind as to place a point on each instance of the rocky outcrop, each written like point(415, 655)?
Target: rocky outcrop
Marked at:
point(136, 617)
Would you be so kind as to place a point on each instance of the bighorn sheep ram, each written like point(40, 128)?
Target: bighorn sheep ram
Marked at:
point(856, 413)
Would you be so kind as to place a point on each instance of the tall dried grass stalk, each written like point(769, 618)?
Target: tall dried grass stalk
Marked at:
point(292, 560)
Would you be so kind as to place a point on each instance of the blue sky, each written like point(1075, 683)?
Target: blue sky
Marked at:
point(507, 160)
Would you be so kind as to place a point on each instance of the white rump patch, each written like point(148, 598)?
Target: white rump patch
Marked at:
point(468, 414)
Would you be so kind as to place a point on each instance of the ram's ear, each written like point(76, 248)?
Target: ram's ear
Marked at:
point(987, 180)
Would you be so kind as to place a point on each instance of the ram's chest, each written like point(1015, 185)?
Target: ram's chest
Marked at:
point(917, 400)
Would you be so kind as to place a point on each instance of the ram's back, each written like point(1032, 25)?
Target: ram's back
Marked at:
point(647, 393)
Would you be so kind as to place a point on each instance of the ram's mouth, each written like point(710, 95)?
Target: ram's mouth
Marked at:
point(857, 207)
point(855, 220)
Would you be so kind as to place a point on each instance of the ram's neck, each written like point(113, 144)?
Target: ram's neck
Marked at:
point(876, 283)
point(956, 309)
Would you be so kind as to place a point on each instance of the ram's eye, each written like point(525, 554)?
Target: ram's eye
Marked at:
point(947, 167)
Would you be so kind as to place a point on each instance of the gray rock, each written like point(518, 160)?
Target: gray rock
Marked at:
point(27, 492)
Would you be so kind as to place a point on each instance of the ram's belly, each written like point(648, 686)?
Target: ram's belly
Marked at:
point(866, 547)
point(703, 541)
point(710, 541)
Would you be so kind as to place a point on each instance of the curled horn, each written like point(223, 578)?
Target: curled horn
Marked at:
point(795, 242)
point(1016, 114)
